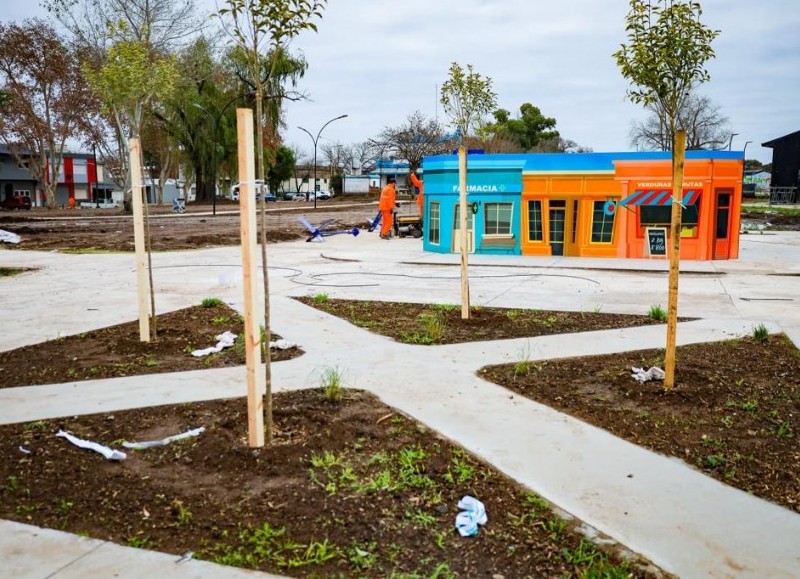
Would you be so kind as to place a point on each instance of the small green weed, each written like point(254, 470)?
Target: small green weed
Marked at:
point(321, 298)
point(220, 320)
point(211, 302)
point(785, 430)
point(64, 506)
point(12, 484)
point(714, 460)
point(139, 542)
point(657, 313)
point(750, 406)
point(445, 307)
point(761, 334)
point(433, 326)
point(362, 556)
point(182, 514)
point(151, 362)
point(420, 518)
point(513, 314)
point(331, 384)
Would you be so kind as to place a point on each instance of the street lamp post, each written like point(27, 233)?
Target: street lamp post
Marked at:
point(730, 141)
point(744, 161)
point(315, 139)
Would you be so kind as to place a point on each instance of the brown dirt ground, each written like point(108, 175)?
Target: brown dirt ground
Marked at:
point(112, 229)
point(117, 351)
point(734, 414)
point(350, 487)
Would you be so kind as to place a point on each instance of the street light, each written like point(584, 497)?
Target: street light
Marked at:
point(744, 162)
point(730, 141)
point(315, 150)
point(215, 165)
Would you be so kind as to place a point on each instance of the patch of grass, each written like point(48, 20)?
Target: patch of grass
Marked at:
point(139, 542)
point(9, 271)
point(714, 460)
point(445, 307)
point(211, 302)
point(362, 556)
point(433, 326)
point(657, 313)
point(761, 334)
point(331, 384)
point(321, 298)
point(220, 320)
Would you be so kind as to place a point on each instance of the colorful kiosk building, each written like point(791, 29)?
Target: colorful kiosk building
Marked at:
point(584, 204)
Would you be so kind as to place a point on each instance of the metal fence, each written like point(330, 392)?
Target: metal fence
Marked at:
point(782, 195)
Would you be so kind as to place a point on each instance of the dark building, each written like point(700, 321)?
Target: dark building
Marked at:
point(785, 160)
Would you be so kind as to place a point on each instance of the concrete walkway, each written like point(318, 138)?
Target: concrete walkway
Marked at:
point(685, 522)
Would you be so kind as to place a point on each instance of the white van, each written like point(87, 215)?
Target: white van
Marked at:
point(259, 189)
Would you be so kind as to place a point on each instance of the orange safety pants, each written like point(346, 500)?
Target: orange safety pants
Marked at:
point(387, 220)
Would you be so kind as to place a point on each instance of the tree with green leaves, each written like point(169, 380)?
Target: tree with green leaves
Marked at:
point(262, 27)
point(664, 60)
point(131, 78)
point(466, 96)
point(282, 169)
point(529, 130)
point(46, 100)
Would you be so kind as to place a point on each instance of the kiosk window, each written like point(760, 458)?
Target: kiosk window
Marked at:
point(661, 216)
point(498, 218)
point(434, 221)
point(535, 221)
point(602, 224)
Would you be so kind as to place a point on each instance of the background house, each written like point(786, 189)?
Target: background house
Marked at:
point(785, 160)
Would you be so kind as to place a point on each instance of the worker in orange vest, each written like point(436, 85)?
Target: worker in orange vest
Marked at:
point(417, 182)
point(386, 207)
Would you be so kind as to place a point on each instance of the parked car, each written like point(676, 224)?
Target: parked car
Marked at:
point(16, 201)
point(323, 195)
point(293, 196)
point(270, 196)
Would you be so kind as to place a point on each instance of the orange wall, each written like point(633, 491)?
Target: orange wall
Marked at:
point(711, 175)
point(708, 174)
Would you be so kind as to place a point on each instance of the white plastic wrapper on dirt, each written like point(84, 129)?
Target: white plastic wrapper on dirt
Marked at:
point(641, 375)
point(107, 452)
point(9, 237)
point(224, 340)
point(164, 441)
point(473, 513)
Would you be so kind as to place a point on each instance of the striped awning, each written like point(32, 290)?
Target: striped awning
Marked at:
point(653, 197)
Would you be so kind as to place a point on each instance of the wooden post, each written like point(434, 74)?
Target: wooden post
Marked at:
point(678, 154)
point(462, 226)
point(137, 194)
point(252, 314)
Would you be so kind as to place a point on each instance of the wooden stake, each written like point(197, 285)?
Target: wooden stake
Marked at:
point(678, 154)
point(462, 226)
point(252, 314)
point(137, 193)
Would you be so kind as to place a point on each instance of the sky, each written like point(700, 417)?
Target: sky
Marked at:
point(379, 61)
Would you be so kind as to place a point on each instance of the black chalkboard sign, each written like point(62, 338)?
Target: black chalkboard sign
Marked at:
point(657, 240)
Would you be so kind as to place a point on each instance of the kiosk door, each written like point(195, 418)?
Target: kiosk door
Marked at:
point(722, 220)
point(557, 221)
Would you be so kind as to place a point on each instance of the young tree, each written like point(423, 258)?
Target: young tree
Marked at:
point(131, 79)
point(275, 23)
point(665, 59)
point(46, 99)
point(705, 126)
point(466, 96)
